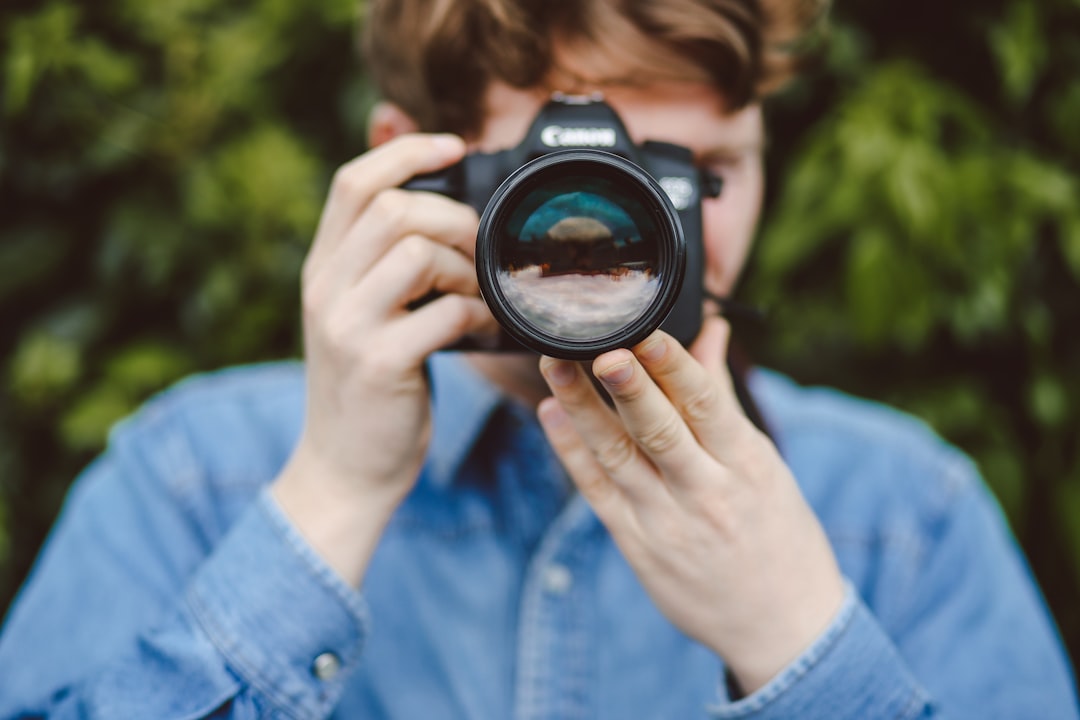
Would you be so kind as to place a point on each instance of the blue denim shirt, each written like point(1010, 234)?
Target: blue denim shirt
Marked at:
point(173, 587)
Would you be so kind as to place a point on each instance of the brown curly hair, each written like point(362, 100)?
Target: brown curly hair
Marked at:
point(436, 58)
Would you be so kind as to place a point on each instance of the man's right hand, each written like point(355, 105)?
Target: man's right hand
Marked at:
point(377, 249)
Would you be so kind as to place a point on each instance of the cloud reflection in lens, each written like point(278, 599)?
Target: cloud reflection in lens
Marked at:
point(577, 263)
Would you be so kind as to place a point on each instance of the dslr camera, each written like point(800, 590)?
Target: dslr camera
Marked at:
point(587, 242)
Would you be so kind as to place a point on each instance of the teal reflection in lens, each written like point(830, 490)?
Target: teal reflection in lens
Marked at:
point(578, 259)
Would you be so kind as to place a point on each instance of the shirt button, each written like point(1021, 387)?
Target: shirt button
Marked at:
point(326, 666)
point(557, 579)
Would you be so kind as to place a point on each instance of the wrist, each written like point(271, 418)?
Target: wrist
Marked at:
point(341, 518)
point(785, 635)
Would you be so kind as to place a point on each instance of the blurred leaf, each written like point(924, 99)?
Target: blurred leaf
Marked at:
point(1007, 478)
point(164, 21)
point(35, 251)
point(932, 215)
point(131, 375)
point(85, 425)
point(952, 409)
point(37, 44)
point(1048, 188)
point(911, 187)
point(44, 368)
point(105, 69)
point(146, 366)
point(79, 320)
point(984, 308)
point(265, 183)
point(140, 250)
point(1070, 238)
point(163, 165)
point(5, 537)
point(1062, 110)
point(870, 268)
point(216, 296)
point(1019, 46)
point(1068, 507)
point(1049, 400)
point(1038, 323)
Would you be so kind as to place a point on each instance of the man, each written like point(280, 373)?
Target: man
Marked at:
point(389, 533)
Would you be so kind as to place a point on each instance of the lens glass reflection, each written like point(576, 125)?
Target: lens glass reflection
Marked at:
point(579, 257)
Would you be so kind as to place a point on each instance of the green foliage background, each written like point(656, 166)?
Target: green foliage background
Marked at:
point(163, 164)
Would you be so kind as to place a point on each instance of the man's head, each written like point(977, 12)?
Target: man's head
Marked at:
point(689, 72)
point(436, 59)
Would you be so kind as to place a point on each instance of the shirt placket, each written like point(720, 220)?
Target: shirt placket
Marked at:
point(554, 666)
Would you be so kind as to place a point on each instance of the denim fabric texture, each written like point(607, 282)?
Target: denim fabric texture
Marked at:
point(173, 587)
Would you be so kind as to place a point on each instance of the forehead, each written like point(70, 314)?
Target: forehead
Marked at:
point(689, 114)
point(659, 94)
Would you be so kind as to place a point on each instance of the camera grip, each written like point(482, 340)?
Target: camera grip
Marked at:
point(439, 182)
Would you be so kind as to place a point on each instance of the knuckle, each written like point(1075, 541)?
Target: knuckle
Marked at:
point(337, 329)
point(632, 391)
point(758, 454)
point(417, 250)
point(391, 205)
point(674, 531)
point(378, 361)
point(722, 519)
point(459, 313)
point(348, 182)
point(597, 488)
point(703, 403)
point(661, 437)
point(616, 453)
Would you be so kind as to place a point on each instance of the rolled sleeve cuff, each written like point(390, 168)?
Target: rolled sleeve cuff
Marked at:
point(852, 671)
point(285, 623)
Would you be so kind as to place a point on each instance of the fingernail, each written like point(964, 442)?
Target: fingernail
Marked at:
point(653, 350)
point(560, 372)
point(617, 374)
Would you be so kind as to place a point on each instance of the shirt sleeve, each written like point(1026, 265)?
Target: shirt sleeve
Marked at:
point(975, 641)
point(839, 676)
point(136, 610)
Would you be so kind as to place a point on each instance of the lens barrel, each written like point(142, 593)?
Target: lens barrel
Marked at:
point(580, 252)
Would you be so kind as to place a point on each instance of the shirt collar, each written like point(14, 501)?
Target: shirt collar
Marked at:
point(462, 403)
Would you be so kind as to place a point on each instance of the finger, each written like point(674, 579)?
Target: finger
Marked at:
point(412, 269)
point(699, 386)
point(392, 215)
point(436, 325)
point(710, 347)
point(388, 165)
point(651, 419)
point(600, 429)
point(590, 478)
point(395, 212)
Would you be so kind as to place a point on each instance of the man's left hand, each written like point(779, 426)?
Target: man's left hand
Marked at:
point(698, 500)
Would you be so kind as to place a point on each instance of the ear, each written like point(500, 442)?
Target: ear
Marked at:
point(386, 121)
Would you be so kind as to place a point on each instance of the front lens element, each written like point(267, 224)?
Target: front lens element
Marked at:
point(580, 252)
point(579, 258)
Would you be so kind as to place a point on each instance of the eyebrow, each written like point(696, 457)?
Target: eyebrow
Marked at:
point(726, 147)
point(732, 149)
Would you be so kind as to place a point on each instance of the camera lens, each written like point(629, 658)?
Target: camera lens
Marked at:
point(580, 252)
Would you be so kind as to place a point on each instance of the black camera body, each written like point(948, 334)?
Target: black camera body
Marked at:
point(570, 136)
